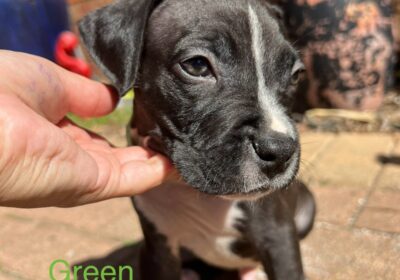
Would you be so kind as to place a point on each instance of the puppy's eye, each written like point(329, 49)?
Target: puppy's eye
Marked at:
point(298, 72)
point(197, 66)
point(297, 77)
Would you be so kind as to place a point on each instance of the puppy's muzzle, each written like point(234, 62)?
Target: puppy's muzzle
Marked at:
point(274, 150)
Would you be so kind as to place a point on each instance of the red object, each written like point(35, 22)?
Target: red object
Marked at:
point(64, 54)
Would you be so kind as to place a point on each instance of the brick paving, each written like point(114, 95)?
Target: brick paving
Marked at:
point(357, 233)
point(356, 236)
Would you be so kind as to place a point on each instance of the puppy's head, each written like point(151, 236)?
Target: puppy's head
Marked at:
point(213, 83)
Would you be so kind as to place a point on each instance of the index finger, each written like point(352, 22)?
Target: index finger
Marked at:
point(51, 90)
point(87, 98)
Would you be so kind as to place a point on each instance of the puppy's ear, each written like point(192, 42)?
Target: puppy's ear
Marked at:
point(277, 12)
point(114, 35)
point(279, 15)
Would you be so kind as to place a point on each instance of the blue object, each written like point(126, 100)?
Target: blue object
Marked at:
point(32, 26)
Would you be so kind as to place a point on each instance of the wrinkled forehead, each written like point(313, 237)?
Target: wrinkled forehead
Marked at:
point(228, 28)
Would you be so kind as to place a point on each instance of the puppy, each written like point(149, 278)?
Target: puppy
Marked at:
point(213, 87)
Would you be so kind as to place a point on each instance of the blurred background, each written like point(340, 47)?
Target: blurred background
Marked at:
point(348, 114)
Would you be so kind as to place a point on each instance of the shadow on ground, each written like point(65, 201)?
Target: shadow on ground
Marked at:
point(129, 255)
point(393, 159)
point(123, 256)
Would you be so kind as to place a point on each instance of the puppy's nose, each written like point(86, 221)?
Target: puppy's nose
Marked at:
point(274, 148)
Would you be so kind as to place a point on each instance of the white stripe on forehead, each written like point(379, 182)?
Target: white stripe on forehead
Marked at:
point(268, 104)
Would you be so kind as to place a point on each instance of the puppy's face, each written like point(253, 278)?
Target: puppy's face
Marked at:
point(215, 83)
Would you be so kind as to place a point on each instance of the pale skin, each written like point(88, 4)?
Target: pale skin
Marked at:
point(45, 159)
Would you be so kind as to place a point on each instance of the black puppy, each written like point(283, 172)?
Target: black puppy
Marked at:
point(213, 83)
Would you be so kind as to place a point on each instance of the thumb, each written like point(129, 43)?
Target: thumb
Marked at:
point(140, 176)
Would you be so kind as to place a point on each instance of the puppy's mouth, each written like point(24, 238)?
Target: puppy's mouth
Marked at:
point(250, 195)
point(281, 180)
point(267, 180)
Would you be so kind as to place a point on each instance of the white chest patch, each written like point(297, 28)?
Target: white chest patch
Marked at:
point(201, 223)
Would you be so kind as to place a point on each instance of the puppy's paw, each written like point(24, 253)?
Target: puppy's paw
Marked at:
point(188, 274)
point(253, 274)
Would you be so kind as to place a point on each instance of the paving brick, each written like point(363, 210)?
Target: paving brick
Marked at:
point(27, 248)
point(386, 199)
point(125, 228)
point(390, 177)
point(95, 218)
point(312, 144)
point(357, 255)
point(337, 205)
point(351, 160)
point(382, 219)
point(6, 276)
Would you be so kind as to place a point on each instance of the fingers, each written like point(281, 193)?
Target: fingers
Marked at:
point(51, 90)
point(140, 168)
point(87, 98)
point(124, 171)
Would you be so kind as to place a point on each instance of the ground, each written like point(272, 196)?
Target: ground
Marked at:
point(354, 177)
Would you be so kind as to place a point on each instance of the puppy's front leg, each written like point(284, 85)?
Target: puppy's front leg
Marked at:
point(273, 233)
point(155, 265)
point(252, 274)
point(157, 262)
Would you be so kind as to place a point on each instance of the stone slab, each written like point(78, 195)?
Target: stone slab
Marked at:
point(390, 177)
point(335, 253)
point(27, 248)
point(351, 160)
point(92, 219)
point(337, 205)
point(312, 145)
point(381, 219)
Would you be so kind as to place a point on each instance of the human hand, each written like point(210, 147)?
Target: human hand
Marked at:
point(45, 159)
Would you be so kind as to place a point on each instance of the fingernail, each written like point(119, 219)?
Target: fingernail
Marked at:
point(160, 162)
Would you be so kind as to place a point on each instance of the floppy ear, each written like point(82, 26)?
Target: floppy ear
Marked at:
point(277, 12)
point(279, 15)
point(114, 35)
